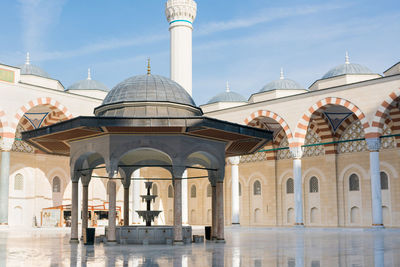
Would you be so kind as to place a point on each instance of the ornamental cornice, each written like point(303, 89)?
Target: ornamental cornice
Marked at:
point(181, 10)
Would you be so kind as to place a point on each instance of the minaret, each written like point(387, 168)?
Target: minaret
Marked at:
point(181, 15)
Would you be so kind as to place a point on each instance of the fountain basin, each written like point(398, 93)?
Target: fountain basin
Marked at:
point(140, 234)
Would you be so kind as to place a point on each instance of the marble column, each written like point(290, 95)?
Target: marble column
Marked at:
point(374, 145)
point(178, 237)
point(4, 186)
point(235, 189)
point(85, 200)
point(214, 225)
point(74, 213)
point(111, 237)
point(220, 212)
point(126, 205)
point(136, 197)
point(297, 153)
point(185, 208)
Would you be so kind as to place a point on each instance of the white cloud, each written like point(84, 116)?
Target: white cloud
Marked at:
point(38, 17)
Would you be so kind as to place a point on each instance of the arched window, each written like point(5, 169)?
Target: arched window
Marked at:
point(257, 188)
point(209, 190)
point(193, 191)
point(240, 189)
point(154, 189)
point(384, 181)
point(19, 182)
point(354, 183)
point(289, 186)
point(56, 185)
point(314, 185)
point(170, 191)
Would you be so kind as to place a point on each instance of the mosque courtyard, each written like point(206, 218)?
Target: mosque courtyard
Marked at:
point(244, 247)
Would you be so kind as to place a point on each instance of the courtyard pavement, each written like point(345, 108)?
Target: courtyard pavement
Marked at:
point(244, 247)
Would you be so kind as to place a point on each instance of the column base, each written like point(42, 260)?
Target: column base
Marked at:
point(213, 238)
point(178, 243)
point(74, 241)
point(220, 241)
point(298, 225)
point(378, 226)
point(235, 223)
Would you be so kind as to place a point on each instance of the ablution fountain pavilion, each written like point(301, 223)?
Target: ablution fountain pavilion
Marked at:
point(147, 121)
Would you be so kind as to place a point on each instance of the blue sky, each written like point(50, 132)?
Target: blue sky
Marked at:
point(244, 42)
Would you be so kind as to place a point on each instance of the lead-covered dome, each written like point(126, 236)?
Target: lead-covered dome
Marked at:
point(282, 84)
point(227, 96)
point(29, 69)
point(88, 84)
point(148, 96)
point(347, 68)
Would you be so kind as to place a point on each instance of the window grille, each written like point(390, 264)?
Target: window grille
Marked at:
point(384, 181)
point(354, 183)
point(289, 186)
point(314, 185)
point(257, 188)
point(170, 191)
point(19, 182)
point(193, 191)
point(209, 190)
point(56, 185)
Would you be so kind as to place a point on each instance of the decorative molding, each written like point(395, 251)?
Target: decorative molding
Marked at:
point(374, 144)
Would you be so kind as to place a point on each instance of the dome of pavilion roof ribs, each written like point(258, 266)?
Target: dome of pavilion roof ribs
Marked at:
point(148, 96)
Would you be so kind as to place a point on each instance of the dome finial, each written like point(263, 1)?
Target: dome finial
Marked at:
point(89, 76)
point(227, 87)
point(28, 61)
point(347, 58)
point(282, 77)
point(148, 67)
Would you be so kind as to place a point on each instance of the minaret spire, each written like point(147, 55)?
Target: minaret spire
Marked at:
point(28, 61)
point(89, 76)
point(148, 67)
point(282, 77)
point(347, 61)
point(227, 87)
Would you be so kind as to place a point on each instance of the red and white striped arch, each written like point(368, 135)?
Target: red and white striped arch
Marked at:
point(302, 126)
point(381, 114)
point(43, 101)
point(272, 115)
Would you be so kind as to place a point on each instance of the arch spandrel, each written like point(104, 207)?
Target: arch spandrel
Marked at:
point(306, 117)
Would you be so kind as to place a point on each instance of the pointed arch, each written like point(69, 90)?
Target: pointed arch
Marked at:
point(272, 115)
point(302, 126)
point(382, 113)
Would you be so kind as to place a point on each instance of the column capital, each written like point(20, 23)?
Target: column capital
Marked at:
point(6, 143)
point(296, 152)
point(234, 160)
point(374, 144)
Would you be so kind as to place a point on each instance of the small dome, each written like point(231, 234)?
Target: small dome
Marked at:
point(227, 96)
point(88, 84)
point(281, 84)
point(347, 68)
point(149, 88)
point(148, 96)
point(29, 69)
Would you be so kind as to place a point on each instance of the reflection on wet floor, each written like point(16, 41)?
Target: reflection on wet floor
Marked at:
point(244, 247)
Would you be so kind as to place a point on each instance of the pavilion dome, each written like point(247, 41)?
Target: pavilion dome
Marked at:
point(29, 69)
point(281, 84)
point(148, 96)
point(88, 84)
point(347, 68)
point(227, 96)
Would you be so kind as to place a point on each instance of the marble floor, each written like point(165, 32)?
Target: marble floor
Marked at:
point(244, 247)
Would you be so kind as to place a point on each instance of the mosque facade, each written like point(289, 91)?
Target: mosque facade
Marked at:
point(333, 161)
